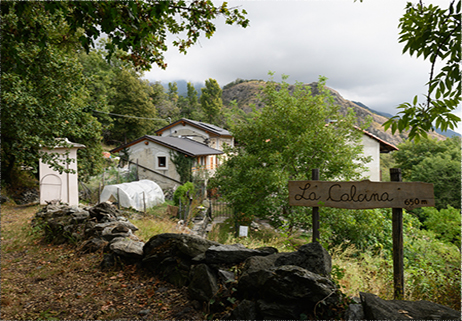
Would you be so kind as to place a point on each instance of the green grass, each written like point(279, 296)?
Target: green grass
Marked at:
point(225, 233)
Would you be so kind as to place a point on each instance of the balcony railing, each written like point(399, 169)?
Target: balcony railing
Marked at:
point(210, 167)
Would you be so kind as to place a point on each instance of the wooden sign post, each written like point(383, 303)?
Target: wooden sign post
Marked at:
point(315, 215)
point(366, 195)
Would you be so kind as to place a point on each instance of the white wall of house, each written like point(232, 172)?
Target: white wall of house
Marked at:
point(372, 148)
point(153, 156)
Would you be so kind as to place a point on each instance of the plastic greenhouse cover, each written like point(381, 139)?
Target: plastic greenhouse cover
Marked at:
point(134, 194)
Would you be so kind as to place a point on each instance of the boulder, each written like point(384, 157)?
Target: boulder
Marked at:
point(127, 248)
point(377, 309)
point(354, 312)
point(312, 257)
point(246, 310)
point(111, 232)
point(226, 276)
point(186, 245)
point(279, 310)
point(292, 283)
point(289, 283)
point(170, 255)
point(232, 254)
point(204, 284)
point(93, 245)
point(104, 212)
point(79, 216)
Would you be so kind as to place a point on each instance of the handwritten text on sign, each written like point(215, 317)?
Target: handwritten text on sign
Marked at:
point(361, 195)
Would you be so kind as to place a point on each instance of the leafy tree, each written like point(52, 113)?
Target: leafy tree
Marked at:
point(139, 28)
point(444, 173)
point(435, 34)
point(44, 95)
point(445, 223)
point(43, 90)
point(436, 162)
point(132, 100)
point(288, 138)
point(173, 92)
point(233, 115)
point(211, 102)
point(190, 107)
point(100, 75)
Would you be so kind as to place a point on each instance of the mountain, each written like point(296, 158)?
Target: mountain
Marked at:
point(448, 133)
point(246, 93)
point(372, 110)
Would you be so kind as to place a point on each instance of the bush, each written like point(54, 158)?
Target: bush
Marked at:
point(445, 223)
point(182, 192)
point(432, 269)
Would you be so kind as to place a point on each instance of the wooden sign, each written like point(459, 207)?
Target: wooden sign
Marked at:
point(361, 195)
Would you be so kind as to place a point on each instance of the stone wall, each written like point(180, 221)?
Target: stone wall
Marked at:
point(228, 281)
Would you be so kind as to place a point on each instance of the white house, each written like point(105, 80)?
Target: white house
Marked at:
point(373, 146)
point(211, 135)
point(152, 154)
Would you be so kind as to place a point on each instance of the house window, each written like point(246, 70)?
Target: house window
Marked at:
point(161, 161)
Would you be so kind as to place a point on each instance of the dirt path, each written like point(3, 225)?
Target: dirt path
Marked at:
point(49, 282)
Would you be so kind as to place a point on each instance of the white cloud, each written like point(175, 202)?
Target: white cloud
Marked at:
point(354, 44)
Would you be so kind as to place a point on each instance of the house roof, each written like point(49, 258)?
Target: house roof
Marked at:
point(184, 145)
point(385, 147)
point(209, 128)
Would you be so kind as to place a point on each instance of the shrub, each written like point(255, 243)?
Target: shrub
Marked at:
point(445, 223)
point(182, 192)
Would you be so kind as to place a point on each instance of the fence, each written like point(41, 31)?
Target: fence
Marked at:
point(220, 208)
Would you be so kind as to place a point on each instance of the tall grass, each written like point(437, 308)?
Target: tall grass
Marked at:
point(156, 221)
point(225, 233)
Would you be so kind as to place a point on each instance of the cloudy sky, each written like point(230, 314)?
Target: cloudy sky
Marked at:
point(353, 44)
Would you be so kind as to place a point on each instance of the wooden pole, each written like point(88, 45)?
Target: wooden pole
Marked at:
point(315, 214)
point(137, 178)
point(144, 202)
point(398, 260)
point(118, 198)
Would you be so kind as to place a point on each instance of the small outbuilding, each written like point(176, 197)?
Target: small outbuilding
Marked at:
point(56, 186)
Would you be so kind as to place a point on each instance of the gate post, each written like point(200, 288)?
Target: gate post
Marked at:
point(398, 260)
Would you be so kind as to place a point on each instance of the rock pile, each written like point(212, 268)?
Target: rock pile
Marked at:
point(229, 281)
point(98, 228)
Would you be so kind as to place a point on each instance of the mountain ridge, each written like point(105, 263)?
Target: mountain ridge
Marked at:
point(246, 93)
